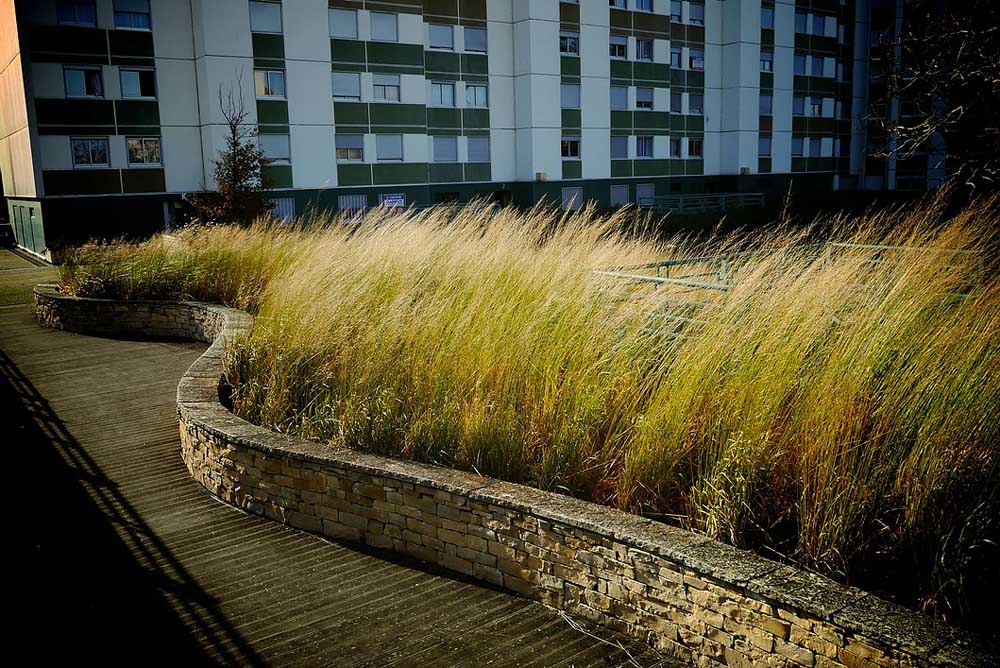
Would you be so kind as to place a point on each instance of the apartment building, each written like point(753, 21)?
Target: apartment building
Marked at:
point(111, 112)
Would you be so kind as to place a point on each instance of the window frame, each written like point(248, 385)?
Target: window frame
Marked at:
point(333, 90)
point(144, 139)
point(620, 139)
point(386, 87)
point(76, 5)
point(568, 38)
point(148, 14)
point(614, 46)
point(348, 159)
point(769, 60)
point(465, 39)
point(430, 36)
point(575, 203)
point(611, 98)
point(276, 161)
point(395, 25)
point(767, 24)
point(770, 104)
point(84, 68)
point(450, 139)
point(565, 145)
point(692, 20)
point(442, 85)
point(138, 70)
point(647, 141)
point(618, 201)
point(699, 109)
point(761, 146)
point(332, 12)
point(652, 98)
point(643, 55)
point(90, 139)
point(693, 142)
point(281, 18)
point(692, 57)
point(486, 95)
point(267, 72)
point(563, 87)
point(402, 148)
point(478, 139)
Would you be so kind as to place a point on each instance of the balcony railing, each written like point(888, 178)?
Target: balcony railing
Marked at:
point(701, 203)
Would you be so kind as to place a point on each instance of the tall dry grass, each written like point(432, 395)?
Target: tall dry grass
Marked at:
point(837, 406)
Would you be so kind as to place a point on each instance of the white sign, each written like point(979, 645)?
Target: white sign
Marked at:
point(394, 200)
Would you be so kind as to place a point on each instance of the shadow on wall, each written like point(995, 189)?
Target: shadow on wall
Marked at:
point(91, 582)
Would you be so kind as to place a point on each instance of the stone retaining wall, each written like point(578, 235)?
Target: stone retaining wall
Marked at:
point(694, 598)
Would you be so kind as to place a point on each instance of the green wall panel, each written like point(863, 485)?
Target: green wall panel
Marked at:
point(571, 118)
point(350, 113)
point(652, 120)
point(347, 51)
point(269, 46)
point(399, 172)
point(476, 118)
point(81, 181)
point(137, 112)
point(621, 69)
point(272, 112)
point(397, 114)
point(278, 176)
point(621, 168)
point(569, 66)
point(445, 172)
point(473, 63)
point(143, 181)
point(354, 175)
point(438, 117)
point(477, 171)
point(572, 169)
point(651, 167)
point(383, 53)
point(621, 119)
point(657, 72)
point(134, 43)
point(74, 112)
point(65, 39)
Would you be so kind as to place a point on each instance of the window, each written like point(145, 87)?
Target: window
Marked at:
point(767, 18)
point(798, 106)
point(694, 148)
point(346, 85)
point(384, 27)
point(132, 14)
point(385, 87)
point(445, 149)
point(696, 103)
point(275, 148)
point(675, 11)
point(265, 16)
point(352, 204)
point(619, 97)
point(645, 194)
point(284, 208)
point(76, 12)
point(815, 107)
point(815, 147)
point(818, 25)
point(675, 57)
point(475, 95)
point(800, 22)
point(618, 4)
point(766, 105)
point(817, 67)
point(619, 148)
point(696, 14)
point(569, 148)
point(389, 147)
point(143, 151)
point(644, 49)
point(643, 147)
point(675, 102)
point(343, 23)
point(81, 82)
point(675, 147)
point(800, 65)
point(442, 94)
point(569, 43)
point(697, 59)
point(766, 61)
point(619, 195)
point(90, 152)
point(479, 149)
point(269, 83)
point(643, 98)
point(350, 148)
point(764, 146)
point(797, 147)
point(618, 47)
point(569, 96)
point(138, 83)
point(572, 199)
point(441, 36)
point(475, 39)
point(644, 5)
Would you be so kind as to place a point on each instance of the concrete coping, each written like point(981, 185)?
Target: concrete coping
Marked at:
point(858, 613)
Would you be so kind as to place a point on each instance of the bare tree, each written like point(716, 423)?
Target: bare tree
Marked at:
point(942, 87)
point(240, 181)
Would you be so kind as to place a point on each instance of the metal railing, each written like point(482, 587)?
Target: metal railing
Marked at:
point(702, 202)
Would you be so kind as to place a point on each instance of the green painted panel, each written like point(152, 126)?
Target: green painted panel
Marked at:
point(651, 167)
point(695, 79)
point(763, 165)
point(475, 132)
point(621, 119)
point(350, 113)
point(571, 118)
point(81, 181)
point(268, 45)
point(273, 129)
point(65, 39)
point(677, 123)
point(399, 172)
point(621, 168)
point(404, 129)
point(64, 130)
point(477, 171)
point(677, 78)
point(621, 69)
point(69, 58)
point(137, 112)
point(766, 80)
point(659, 72)
point(439, 61)
point(475, 63)
point(694, 167)
point(130, 43)
point(272, 112)
point(143, 181)
point(382, 53)
point(50, 111)
point(476, 118)
point(354, 175)
point(696, 124)
point(445, 172)
point(347, 51)
point(652, 120)
point(133, 61)
point(572, 169)
point(397, 114)
point(569, 66)
point(278, 176)
point(821, 164)
point(444, 118)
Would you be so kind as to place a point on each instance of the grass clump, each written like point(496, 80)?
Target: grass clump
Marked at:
point(836, 406)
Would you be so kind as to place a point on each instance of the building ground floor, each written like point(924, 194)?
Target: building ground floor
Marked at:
point(43, 225)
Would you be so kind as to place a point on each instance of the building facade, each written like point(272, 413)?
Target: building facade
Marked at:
point(111, 108)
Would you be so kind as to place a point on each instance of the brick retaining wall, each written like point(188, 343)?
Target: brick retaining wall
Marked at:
point(694, 598)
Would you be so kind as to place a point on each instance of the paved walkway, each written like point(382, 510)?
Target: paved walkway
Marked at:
point(120, 558)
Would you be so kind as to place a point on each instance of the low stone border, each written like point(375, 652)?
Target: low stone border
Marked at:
point(694, 598)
